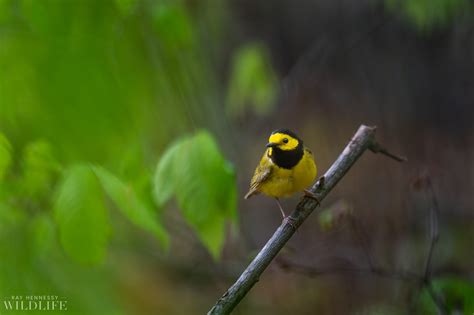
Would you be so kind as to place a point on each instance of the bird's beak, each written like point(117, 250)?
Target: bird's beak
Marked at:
point(271, 144)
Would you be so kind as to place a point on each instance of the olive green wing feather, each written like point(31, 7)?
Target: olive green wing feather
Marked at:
point(262, 174)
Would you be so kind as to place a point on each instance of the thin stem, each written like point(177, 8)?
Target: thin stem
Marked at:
point(437, 299)
point(434, 237)
point(402, 275)
point(377, 148)
point(434, 228)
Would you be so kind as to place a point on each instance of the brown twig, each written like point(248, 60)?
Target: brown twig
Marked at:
point(377, 148)
point(434, 237)
point(434, 229)
point(403, 275)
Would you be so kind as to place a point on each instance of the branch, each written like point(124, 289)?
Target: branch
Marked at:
point(434, 236)
point(377, 148)
point(363, 139)
point(402, 275)
point(434, 230)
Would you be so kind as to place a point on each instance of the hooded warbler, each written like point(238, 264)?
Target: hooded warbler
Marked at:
point(286, 167)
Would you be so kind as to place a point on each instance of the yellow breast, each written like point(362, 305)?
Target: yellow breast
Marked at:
point(285, 182)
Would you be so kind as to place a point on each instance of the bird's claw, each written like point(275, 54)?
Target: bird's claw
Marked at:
point(290, 220)
point(311, 195)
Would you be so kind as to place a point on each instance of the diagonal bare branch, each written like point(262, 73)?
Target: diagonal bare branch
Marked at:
point(363, 139)
point(402, 275)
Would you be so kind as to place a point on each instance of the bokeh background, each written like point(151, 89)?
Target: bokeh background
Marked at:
point(129, 130)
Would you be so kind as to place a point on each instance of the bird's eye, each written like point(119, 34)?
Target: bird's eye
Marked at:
point(285, 140)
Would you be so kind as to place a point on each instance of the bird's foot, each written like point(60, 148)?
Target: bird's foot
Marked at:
point(290, 220)
point(311, 195)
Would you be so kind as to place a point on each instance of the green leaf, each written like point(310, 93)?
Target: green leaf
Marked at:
point(125, 7)
point(253, 83)
point(203, 182)
point(457, 293)
point(163, 187)
point(332, 216)
point(39, 168)
point(173, 25)
point(42, 234)
point(81, 215)
point(428, 14)
point(5, 155)
point(127, 201)
point(9, 216)
point(5, 10)
point(325, 219)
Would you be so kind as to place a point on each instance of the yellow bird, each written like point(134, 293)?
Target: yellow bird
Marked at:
point(286, 167)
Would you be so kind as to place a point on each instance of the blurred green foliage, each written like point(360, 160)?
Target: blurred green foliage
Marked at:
point(5, 155)
point(39, 169)
point(457, 294)
point(91, 94)
point(173, 26)
point(428, 14)
point(203, 183)
point(253, 83)
point(332, 216)
point(137, 210)
point(82, 216)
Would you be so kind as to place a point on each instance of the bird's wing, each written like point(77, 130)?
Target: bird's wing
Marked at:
point(262, 174)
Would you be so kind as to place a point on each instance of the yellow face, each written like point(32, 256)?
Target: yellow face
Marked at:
point(282, 141)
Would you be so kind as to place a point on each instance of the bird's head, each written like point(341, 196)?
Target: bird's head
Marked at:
point(284, 140)
point(285, 149)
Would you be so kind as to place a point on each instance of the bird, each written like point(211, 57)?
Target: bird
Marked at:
point(286, 167)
